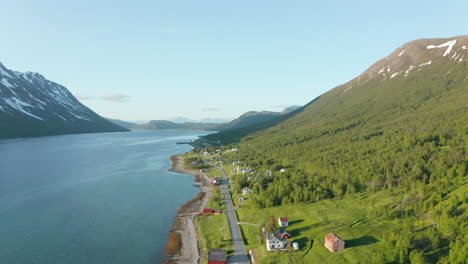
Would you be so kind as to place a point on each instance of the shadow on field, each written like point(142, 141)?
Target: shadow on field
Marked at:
point(296, 222)
point(362, 241)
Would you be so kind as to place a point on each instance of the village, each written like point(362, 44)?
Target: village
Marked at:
point(277, 234)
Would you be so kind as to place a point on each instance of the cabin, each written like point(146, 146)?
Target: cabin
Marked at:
point(281, 233)
point(283, 222)
point(334, 243)
point(208, 211)
point(217, 256)
point(273, 243)
point(215, 182)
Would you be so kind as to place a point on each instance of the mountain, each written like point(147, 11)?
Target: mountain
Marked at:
point(290, 109)
point(381, 159)
point(31, 106)
point(254, 118)
point(248, 119)
point(214, 120)
point(411, 73)
point(163, 124)
point(245, 120)
point(121, 123)
point(181, 119)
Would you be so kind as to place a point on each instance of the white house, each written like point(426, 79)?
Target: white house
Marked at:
point(273, 243)
point(283, 222)
point(269, 172)
point(282, 170)
point(246, 191)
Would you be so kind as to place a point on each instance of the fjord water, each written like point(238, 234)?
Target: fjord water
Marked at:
point(91, 198)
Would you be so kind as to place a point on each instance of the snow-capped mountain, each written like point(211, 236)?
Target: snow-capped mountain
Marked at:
point(415, 56)
point(31, 105)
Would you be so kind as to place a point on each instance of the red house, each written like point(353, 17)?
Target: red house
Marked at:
point(334, 243)
point(217, 256)
point(208, 211)
point(283, 234)
point(283, 222)
point(218, 212)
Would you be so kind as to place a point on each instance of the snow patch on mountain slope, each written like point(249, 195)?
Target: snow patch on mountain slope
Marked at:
point(7, 83)
point(425, 63)
point(3, 72)
point(401, 53)
point(18, 105)
point(448, 44)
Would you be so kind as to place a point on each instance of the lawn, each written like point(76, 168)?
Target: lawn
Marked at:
point(349, 219)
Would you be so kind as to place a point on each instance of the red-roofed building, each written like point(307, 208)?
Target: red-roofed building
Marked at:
point(208, 211)
point(217, 256)
point(334, 243)
point(283, 234)
point(283, 222)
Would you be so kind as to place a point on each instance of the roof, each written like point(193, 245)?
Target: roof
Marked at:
point(331, 237)
point(217, 254)
point(284, 219)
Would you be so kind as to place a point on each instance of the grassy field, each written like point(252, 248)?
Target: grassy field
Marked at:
point(351, 219)
point(213, 230)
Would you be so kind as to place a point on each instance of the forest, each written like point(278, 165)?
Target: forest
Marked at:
point(405, 137)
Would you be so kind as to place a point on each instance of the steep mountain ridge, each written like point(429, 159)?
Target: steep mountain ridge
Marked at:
point(403, 139)
point(31, 105)
point(412, 57)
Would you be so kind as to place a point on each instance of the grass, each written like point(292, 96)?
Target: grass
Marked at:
point(349, 218)
point(214, 232)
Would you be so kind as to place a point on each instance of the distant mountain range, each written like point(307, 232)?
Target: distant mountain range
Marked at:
point(247, 119)
point(32, 106)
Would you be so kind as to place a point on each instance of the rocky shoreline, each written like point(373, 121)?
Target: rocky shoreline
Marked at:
point(183, 245)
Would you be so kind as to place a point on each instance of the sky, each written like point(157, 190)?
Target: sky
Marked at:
point(147, 60)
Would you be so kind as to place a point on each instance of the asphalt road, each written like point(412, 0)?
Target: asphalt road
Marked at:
point(240, 254)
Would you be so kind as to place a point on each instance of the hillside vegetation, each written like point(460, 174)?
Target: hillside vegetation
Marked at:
point(398, 132)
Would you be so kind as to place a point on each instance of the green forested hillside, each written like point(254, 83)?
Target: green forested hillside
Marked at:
point(399, 129)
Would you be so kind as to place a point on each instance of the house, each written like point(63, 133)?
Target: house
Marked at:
point(235, 163)
point(235, 149)
point(334, 243)
point(208, 211)
point(273, 242)
point(282, 170)
point(281, 233)
point(215, 182)
point(217, 256)
point(269, 172)
point(296, 246)
point(218, 212)
point(283, 222)
point(193, 163)
point(246, 191)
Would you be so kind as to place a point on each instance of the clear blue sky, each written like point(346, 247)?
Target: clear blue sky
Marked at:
point(142, 60)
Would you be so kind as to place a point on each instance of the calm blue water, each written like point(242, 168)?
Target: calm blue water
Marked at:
point(93, 198)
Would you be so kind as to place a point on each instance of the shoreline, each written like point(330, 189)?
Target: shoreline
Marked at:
point(183, 244)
